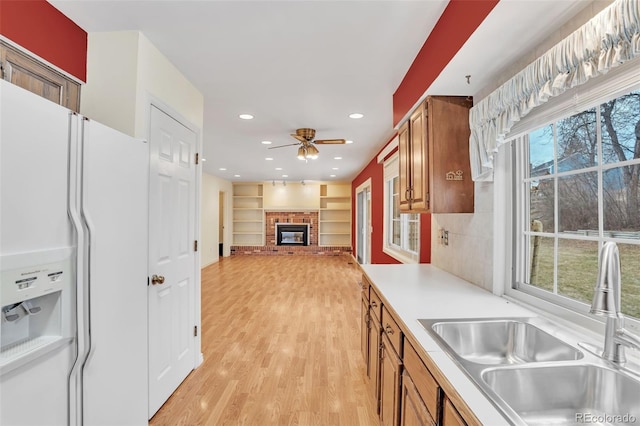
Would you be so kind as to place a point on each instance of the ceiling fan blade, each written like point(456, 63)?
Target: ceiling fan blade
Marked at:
point(300, 138)
point(282, 146)
point(329, 141)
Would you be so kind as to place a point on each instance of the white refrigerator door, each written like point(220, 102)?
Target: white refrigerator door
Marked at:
point(34, 139)
point(115, 206)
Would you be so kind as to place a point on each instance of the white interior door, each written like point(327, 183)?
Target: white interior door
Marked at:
point(171, 256)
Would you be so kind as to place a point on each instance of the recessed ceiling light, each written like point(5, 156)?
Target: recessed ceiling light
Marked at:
point(332, 175)
point(356, 115)
point(269, 159)
point(266, 142)
point(246, 116)
point(222, 169)
point(236, 175)
point(334, 168)
point(278, 168)
point(285, 175)
point(348, 141)
point(204, 159)
point(337, 158)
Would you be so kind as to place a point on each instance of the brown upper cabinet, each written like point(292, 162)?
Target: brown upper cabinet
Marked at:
point(435, 173)
point(31, 74)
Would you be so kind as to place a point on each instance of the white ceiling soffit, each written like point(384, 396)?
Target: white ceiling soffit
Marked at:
point(298, 64)
point(513, 30)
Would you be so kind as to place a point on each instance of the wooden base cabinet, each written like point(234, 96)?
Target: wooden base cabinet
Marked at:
point(450, 416)
point(401, 381)
point(413, 410)
point(390, 376)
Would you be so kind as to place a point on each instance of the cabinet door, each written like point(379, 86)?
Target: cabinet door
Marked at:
point(24, 71)
point(413, 411)
point(419, 159)
point(450, 416)
point(364, 332)
point(374, 356)
point(404, 157)
point(390, 370)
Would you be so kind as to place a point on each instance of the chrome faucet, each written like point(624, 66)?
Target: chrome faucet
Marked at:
point(606, 302)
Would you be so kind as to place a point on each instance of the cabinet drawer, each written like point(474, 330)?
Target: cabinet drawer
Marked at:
point(375, 303)
point(425, 383)
point(391, 330)
point(365, 287)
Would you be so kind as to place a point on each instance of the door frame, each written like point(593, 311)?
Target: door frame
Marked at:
point(365, 186)
point(152, 101)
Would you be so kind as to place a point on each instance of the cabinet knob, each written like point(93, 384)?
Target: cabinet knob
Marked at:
point(388, 329)
point(374, 304)
point(157, 279)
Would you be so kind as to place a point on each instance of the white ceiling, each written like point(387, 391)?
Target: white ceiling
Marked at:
point(309, 64)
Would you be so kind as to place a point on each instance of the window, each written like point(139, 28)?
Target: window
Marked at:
point(577, 185)
point(402, 231)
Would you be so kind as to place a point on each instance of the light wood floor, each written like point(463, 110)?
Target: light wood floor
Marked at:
point(281, 344)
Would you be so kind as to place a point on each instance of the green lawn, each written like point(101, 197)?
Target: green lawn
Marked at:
point(578, 270)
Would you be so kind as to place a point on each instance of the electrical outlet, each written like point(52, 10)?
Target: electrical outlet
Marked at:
point(444, 237)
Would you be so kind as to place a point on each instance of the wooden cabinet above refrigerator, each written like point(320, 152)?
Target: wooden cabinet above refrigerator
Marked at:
point(435, 173)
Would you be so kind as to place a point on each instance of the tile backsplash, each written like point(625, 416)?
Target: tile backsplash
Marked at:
point(469, 254)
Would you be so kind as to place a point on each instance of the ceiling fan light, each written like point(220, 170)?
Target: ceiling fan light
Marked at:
point(312, 152)
point(302, 153)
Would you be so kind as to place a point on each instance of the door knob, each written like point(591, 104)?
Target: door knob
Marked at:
point(157, 279)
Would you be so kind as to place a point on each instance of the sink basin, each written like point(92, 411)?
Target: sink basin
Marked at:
point(567, 394)
point(502, 341)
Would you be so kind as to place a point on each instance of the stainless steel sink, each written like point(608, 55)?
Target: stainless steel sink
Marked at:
point(567, 394)
point(534, 373)
point(502, 341)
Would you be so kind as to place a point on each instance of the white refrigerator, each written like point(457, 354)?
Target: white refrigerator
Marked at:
point(73, 267)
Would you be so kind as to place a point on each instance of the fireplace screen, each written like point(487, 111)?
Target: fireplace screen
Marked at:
point(292, 234)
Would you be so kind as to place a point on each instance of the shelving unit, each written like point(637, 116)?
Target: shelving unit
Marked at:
point(335, 215)
point(248, 214)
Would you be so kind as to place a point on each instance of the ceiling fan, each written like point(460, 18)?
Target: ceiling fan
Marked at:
point(307, 149)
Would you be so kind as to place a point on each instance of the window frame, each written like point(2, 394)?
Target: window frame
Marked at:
point(511, 204)
point(400, 253)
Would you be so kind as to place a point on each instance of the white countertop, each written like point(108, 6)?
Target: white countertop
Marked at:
point(421, 291)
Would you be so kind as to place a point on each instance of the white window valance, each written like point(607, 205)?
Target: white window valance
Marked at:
point(609, 39)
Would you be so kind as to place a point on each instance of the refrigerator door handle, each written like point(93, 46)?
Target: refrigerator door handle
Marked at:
point(83, 235)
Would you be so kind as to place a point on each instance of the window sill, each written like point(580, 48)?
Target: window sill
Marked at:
point(400, 256)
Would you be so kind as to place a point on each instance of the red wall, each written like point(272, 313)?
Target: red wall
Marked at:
point(456, 24)
point(375, 171)
point(42, 29)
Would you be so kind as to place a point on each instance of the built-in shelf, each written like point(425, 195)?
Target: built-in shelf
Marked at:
point(335, 215)
point(248, 214)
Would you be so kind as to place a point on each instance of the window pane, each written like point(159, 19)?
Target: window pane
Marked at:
point(630, 267)
point(541, 151)
point(578, 203)
point(541, 262)
point(541, 204)
point(396, 185)
point(396, 232)
point(414, 232)
point(577, 268)
point(621, 189)
point(618, 120)
point(395, 202)
point(577, 141)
